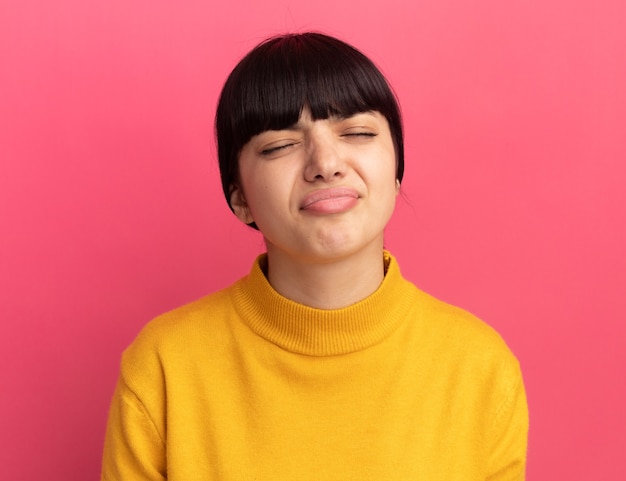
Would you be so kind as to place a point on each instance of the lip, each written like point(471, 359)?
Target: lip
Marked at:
point(330, 201)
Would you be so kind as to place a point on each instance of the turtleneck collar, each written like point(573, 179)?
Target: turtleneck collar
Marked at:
point(319, 332)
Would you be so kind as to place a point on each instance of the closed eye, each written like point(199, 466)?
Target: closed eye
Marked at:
point(359, 134)
point(277, 148)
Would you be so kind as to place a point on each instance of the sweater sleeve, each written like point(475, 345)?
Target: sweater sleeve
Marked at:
point(133, 448)
point(510, 433)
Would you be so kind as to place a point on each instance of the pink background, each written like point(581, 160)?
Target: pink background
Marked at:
point(110, 207)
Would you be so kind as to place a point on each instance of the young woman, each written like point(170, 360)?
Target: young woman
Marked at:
point(323, 363)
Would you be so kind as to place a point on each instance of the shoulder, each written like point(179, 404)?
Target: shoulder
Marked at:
point(192, 318)
point(462, 339)
point(445, 327)
point(466, 355)
point(178, 338)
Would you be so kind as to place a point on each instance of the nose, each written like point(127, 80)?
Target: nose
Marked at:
point(324, 160)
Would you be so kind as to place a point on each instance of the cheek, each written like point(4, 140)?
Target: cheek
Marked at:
point(384, 178)
point(266, 192)
point(385, 167)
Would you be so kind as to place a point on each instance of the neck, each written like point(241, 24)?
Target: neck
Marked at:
point(326, 284)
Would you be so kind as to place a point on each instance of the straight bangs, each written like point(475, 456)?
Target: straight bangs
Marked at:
point(283, 75)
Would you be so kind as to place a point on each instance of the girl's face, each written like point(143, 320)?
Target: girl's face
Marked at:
point(320, 189)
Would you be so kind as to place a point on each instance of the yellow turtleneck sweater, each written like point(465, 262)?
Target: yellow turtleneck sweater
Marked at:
point(246, 385)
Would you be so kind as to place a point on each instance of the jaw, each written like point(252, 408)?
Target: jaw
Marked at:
point(325, 244)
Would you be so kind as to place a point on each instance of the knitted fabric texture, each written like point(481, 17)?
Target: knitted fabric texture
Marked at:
point(245, 384)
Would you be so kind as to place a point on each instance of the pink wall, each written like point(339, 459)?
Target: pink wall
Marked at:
point(111, 212)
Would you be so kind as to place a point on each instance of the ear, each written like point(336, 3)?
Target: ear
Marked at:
point(239, 205)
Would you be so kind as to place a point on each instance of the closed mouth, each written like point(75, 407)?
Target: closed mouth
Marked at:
point(328, 194)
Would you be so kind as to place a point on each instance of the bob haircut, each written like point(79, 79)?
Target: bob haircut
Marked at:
point(272, 84)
